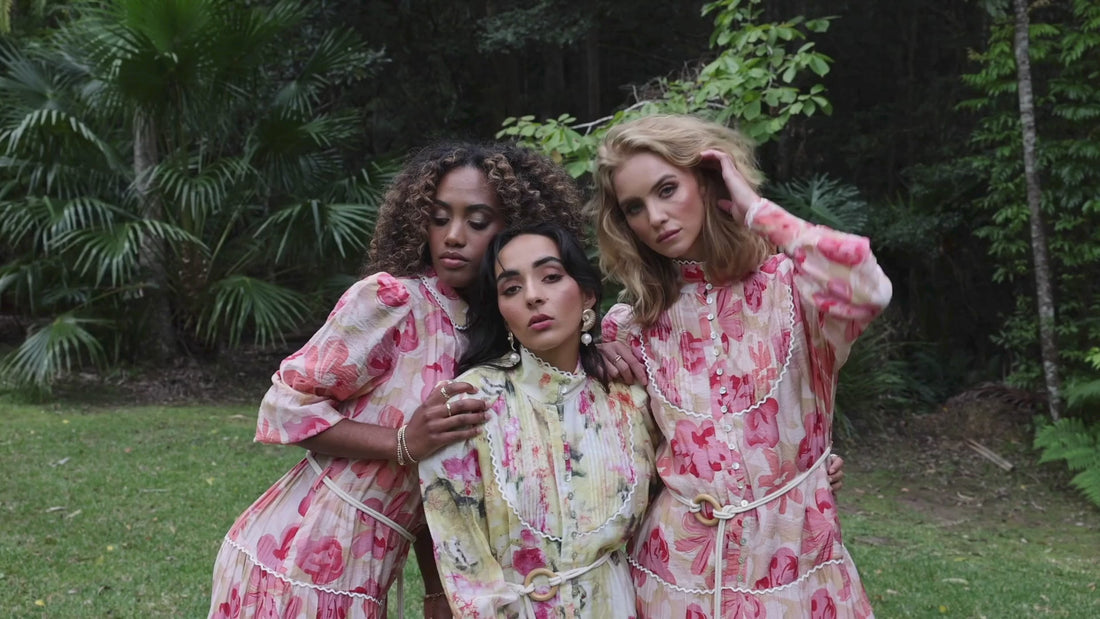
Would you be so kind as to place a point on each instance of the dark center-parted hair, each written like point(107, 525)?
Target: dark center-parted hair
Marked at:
point(651, 281)
point(531, 188)
point(488, 333)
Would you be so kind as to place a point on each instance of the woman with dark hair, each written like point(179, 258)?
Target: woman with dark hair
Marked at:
point(530, 515)
point(368, 397)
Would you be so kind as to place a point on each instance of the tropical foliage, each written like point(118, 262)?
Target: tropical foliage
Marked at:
point(174, 174)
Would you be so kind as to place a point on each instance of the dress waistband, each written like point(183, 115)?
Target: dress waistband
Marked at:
point(553, 580)
point(721, 513)
point(373, 513)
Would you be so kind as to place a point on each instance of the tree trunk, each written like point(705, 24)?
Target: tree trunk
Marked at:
point(1044, 292)
point(160, 340)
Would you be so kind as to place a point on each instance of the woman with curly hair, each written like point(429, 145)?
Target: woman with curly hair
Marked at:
point(368, 394)
point(742, 346)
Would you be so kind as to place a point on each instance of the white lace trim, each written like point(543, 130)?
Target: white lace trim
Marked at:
point(669, 585)
point(498, 468)
point(570, 376)
point(441, 304)
point(651, 371)
point(298, 583)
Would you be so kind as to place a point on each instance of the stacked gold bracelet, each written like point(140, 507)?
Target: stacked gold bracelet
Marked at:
point(403, 453)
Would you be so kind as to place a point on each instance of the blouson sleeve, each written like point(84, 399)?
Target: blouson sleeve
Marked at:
point(618, 325)
point(453, 485)
point(834, 273)
point(345, 359)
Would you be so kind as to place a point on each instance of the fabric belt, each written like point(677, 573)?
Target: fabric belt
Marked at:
point(722, 513)
point(553, 581)
point(373, 513)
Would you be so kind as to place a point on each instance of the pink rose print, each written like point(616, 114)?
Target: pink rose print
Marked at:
point(819, 534)
point(737, 604)
point(691, 347)
point(230, 609)
point(272, 553)
point(697, 451)
point(730, 317)
point(380, 362)
point(391, 292)
point(695, 612)
point(697, 539)
point(754, 287)
point(323, 369)
point(822, 605)
point(782, 569)
point(527, 559)
point(814, 442)
point(761, 426)
point(846, 250)
point(466, 470)
point(406, 338)
point(322, 559)
point(654, 555)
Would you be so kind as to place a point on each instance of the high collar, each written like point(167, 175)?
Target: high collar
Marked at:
point(544, 381)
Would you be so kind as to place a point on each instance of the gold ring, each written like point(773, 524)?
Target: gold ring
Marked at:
point(449, 411)
point(551, 591)
point(618, 359)
point(443, 390)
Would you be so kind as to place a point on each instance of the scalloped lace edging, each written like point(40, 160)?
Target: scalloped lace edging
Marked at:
point(297, 583)
point(651, 371)
point(669, 585)
point(497, 468)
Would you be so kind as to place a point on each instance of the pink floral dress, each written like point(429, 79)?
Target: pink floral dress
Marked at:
point(302, 549)
point(741, 382)
point(556, 483)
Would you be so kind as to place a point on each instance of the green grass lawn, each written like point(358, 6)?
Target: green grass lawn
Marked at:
point(119, 513)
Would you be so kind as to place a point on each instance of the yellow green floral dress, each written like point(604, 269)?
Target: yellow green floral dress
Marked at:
point(554, 485)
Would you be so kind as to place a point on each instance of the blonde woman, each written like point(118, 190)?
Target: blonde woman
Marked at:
point(741, 346)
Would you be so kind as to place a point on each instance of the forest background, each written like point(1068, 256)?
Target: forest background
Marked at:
point(183, 178)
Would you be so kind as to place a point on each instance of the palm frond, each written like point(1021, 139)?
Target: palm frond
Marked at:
point(198, 190)
point(824, 200)
point(112, 253)
point(345, 227)
point(240, 302)
point(51, 350)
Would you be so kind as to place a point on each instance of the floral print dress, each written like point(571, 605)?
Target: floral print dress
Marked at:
point(741, 380)
point(304, 548)
point(556, 483)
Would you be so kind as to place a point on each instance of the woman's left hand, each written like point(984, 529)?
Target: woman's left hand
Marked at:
point(742, 195)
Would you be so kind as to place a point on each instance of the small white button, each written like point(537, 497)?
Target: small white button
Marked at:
point(727, 427)
point(725, 409)
point(744, 502)
point(710, 316)
point(717, 350)
point(736, 465)
point(709, 286)
point(562, 389)
point(722, 391)
point(713, 336)
point(710, 299)
point(718, 371)
point(740, 486)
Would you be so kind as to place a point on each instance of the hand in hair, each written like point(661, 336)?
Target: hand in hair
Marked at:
point(742, 195)
point(621, 364)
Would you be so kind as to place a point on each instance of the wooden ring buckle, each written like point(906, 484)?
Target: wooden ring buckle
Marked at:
point(549, 593)
point(709, 521)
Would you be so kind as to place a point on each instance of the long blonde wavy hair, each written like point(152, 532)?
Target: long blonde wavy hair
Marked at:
point(730, 250)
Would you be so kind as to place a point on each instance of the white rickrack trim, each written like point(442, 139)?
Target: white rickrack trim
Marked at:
point(442, 306)
point(651, 372)
point(298, 583)
point(693, 591)
point(498, 468)
point(574, 376)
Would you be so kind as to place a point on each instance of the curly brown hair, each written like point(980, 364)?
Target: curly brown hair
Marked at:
point(530, 186)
